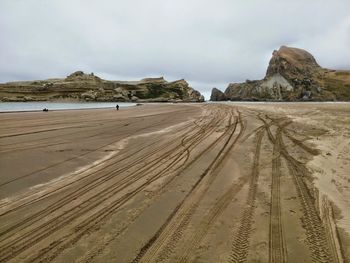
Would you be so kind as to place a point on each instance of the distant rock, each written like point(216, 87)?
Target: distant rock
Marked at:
point(88, 87)
point(293, 74)
point(217, 95)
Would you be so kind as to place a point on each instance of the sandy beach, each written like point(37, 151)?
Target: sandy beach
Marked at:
point(210, 182)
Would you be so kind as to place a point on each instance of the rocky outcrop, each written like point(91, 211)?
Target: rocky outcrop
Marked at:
point(217, 95)
point(88, 87)
point(292, 63)
point(293, 75)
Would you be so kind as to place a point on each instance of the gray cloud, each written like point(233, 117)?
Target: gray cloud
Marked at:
point(209, 43)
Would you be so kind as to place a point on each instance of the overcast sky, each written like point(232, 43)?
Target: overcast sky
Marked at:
point(208, 43)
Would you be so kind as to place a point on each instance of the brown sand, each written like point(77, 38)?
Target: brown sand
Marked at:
point(177, 183)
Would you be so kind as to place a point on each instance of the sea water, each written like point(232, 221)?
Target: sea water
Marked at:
point(40, 105)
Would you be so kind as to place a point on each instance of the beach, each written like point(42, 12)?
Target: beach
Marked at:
point(183, 182)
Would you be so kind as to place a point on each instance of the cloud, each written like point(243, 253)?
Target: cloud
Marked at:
point(209, 43)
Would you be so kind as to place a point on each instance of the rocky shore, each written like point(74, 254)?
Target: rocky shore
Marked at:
point(79, 86)
point(292, 75)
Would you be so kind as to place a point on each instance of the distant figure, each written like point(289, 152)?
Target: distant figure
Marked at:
point(117, 107)
point(45, 109)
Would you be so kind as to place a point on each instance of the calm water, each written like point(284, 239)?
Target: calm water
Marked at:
point(35, 106)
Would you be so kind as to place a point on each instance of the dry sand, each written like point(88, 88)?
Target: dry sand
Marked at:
point(177, 183)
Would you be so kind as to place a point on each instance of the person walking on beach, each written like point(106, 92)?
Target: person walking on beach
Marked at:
point(117, 107)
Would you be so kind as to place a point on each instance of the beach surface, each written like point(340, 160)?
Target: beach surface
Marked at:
point(211, 182)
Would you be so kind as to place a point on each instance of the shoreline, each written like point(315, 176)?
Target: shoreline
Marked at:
point(65, 109)
point(31, 111)
point(133, 104)
point(177, 103)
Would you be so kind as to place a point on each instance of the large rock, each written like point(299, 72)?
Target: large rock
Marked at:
point(292, 63)
point(293, 74)
point(217, 95)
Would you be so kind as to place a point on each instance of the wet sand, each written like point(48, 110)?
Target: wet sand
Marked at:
point(177, 183)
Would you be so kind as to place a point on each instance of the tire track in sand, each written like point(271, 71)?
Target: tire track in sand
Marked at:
point(14, 248)
point(79, 191)
point(320, 243)
point(74, 157)
point(97, 168)
point(210, 218)
point(240, 245)
point(162, 244)
point(208, 221)
point(277, 249)
point(89, 225)
point(98, 250)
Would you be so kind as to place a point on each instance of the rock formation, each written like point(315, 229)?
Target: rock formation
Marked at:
point(293, 75)
point(217, 95)
point(88, 87)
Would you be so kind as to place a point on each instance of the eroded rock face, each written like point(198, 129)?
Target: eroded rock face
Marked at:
point(88, 87)
point(293, 74)
point(217, 95)
point(292, 63)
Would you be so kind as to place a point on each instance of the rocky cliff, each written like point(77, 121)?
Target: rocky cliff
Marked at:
point(293, 75)
point(88, 87)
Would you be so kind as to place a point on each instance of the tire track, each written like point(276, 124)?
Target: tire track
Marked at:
point(86, 153)
point(86, 227)
point(46, 141)
point(116, 161)
point(320, 244)
point(74, 157)
point(315, 230)
point(82, 155)
point(240, 245)
point(99, 250)
point(289, 136)
point(210, 218)
point(162, 244)
point(50, 229)
point(102, 168)
point(167, 224)
point(301, 144)
point(118, 185)
point(168, 246)
point(88, 120)
point(39, 131)
point(277, 249)
point(208, 221)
